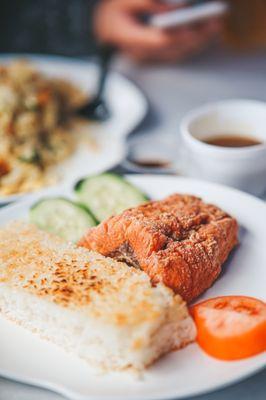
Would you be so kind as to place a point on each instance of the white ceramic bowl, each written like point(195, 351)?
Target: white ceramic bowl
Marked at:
point(243, 167)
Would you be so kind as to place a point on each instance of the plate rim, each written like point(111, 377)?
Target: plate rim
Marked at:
point(193, 181)
point(72, 395)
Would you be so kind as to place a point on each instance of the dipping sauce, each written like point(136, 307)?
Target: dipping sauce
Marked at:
point(232, 141)
point(151, 163)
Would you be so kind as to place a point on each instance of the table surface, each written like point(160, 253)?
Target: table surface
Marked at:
point(172, 91)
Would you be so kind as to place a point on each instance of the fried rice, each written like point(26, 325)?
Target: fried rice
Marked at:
point(35, 126)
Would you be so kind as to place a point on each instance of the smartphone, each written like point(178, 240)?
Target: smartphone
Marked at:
point(188, 15)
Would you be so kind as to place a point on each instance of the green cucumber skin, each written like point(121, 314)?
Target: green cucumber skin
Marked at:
point(107, 175)
point(79, 184)
point(83, 213)
point(74, 203)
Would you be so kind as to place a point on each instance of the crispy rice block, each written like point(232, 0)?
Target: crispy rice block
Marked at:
point(96, 307)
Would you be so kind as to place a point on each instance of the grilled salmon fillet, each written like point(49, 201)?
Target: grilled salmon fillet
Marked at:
point(99, 309)
point(180, 241)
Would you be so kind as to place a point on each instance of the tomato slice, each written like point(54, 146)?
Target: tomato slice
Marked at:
point(231, 327)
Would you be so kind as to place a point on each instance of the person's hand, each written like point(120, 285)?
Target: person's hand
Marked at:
point(118, 23)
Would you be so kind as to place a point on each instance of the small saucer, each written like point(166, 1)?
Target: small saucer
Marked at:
point(151, 154)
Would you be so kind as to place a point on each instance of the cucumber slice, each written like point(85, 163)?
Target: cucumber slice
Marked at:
point(62, 217)
point(108, 194)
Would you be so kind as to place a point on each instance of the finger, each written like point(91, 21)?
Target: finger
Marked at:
point(132, 33)
point(183, 51)
point(158, 40)
point(155, 57)
point(198, 45)
point(211, 25)
point(215, 26)
point(116, 25)
point(188, 35)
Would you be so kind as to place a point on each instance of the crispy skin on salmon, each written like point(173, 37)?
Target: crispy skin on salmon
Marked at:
point(180, 241)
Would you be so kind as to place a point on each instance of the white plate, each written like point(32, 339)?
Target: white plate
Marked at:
point(25, 357)
point(127, 107)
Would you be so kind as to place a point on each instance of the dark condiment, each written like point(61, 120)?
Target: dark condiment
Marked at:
point(152, 163)
point(232, 141)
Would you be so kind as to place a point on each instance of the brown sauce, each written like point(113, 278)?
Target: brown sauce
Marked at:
point(152, 163)
point(232, 141)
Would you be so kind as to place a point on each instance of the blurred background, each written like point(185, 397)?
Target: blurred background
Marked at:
point(65, 26)
point(201, 62)
point(49, 26)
